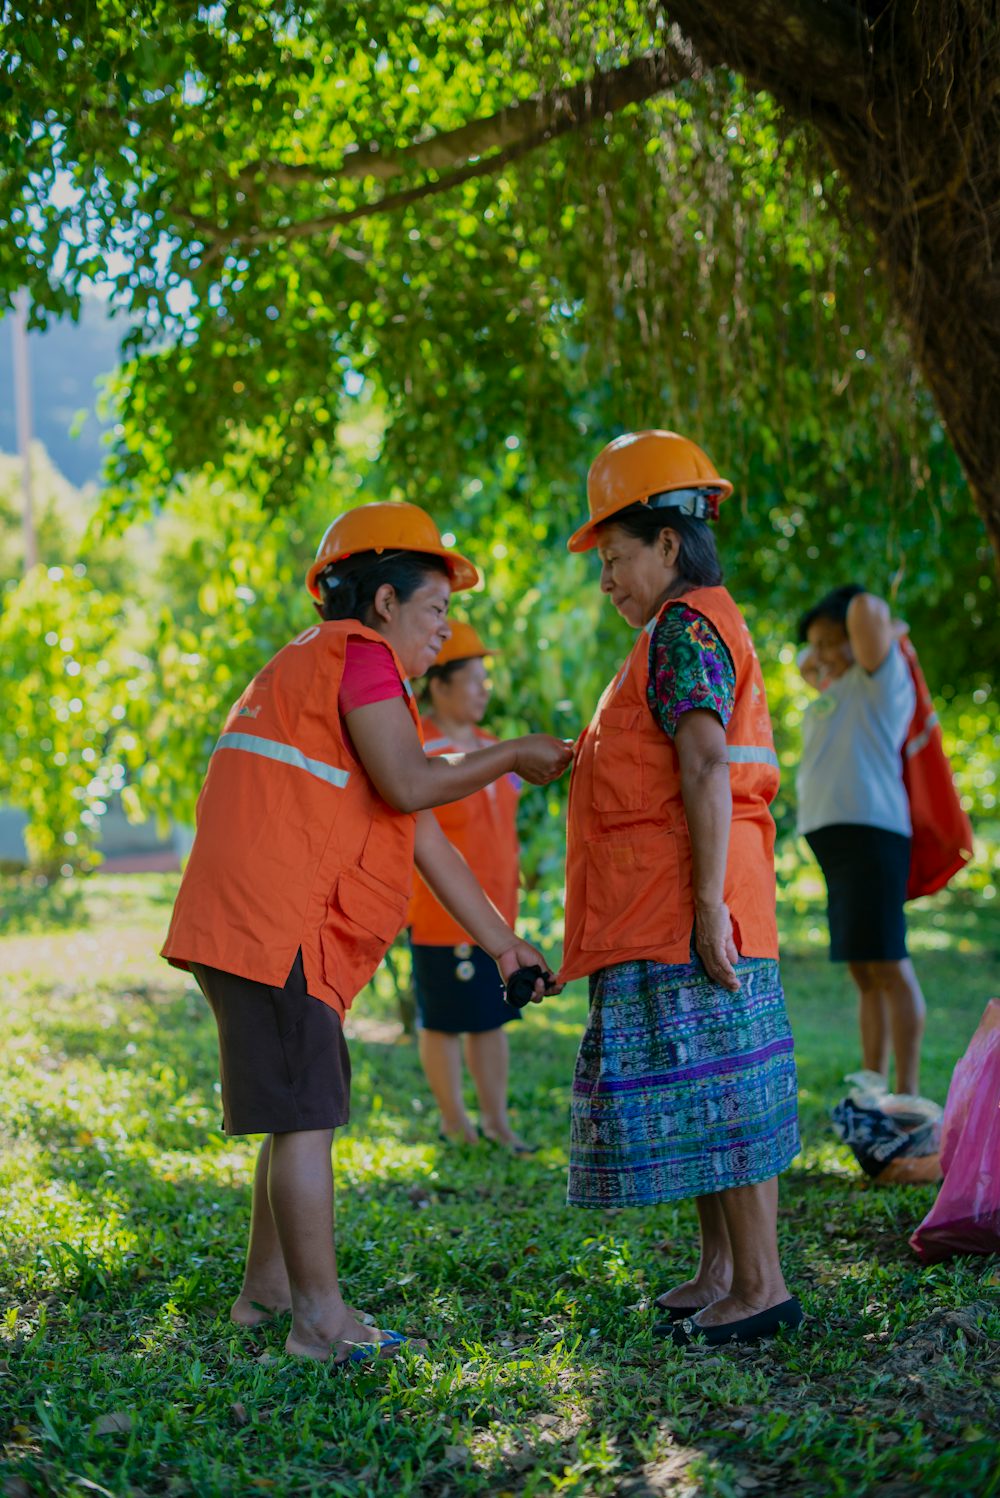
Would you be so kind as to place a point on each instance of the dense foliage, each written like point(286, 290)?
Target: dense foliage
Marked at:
point(325, 309)
point(679, 260)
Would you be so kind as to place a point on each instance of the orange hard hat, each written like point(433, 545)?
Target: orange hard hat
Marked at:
point(662, 469)
point(464, 645)
point(387, 525)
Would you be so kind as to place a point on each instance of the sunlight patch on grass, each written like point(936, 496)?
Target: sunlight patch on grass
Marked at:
point(826, 1157)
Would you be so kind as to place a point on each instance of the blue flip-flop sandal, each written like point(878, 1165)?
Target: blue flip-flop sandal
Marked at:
point(372, 1350)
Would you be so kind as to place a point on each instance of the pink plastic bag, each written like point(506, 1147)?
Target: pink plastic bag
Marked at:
point(965, 1218)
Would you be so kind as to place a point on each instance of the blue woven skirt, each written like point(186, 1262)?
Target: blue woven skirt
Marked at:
point(681, 1087)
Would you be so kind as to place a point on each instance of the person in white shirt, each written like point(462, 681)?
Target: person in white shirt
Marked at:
point(854, 813)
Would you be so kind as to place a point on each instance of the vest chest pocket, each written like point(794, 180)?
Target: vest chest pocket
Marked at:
point(620, 779)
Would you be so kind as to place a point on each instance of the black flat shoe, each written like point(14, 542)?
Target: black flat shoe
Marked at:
point(675, 1313)
point(689, 1333)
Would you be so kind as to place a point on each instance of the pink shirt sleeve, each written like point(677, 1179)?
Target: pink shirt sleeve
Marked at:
point(370, 675)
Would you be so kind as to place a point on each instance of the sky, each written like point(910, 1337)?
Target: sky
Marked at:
point(66, 362)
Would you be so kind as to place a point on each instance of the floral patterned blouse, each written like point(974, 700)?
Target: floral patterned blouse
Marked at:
point(689, 667)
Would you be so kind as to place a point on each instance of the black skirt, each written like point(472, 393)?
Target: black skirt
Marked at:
point(283, 1057)
point(459, 990)
point(866, 871)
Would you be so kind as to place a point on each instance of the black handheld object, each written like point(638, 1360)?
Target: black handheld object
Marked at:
point(521, 985)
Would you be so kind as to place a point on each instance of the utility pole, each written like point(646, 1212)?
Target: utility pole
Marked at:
point(22, 394)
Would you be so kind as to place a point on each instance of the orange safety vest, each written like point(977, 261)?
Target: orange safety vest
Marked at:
point(294, 845)
point(483, 827)
point(942, 833)
point(628, 849)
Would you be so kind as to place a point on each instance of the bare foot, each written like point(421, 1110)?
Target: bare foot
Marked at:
point(465, 1133)
point(247, 1310)
point(509, 1140)
point(693, 1294)
point(310, 1340)
point(731, 1308)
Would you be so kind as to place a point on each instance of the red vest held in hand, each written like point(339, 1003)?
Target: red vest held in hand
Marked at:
point(294, 845)
point(628, 852)
point(483, 827)
point(942, 832)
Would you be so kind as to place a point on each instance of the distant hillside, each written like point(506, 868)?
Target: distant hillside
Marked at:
point(66, 363)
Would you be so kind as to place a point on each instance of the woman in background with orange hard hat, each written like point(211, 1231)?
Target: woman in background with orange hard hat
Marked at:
point(457, 987)
point(685, 1081)
point(313, 811)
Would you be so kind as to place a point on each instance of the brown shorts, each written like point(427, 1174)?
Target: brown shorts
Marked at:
point(283, 1058)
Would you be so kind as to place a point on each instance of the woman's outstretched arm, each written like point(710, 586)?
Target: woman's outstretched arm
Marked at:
point(388, 745)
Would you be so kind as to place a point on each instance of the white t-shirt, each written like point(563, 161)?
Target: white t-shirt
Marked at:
point(853, 733)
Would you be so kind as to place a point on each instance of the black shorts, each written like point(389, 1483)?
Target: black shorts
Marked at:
point(283, 1058)
point(459, 990)
point(866, 871)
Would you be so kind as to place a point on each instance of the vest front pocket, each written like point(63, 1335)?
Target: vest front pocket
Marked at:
point(619, 776)
point(634, 899)
point(363, 917)
point(371, 904)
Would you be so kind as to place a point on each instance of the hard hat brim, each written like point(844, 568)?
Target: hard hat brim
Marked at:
point(464, 644)
point(463, 573)
point(466, 655)
point(585, 537)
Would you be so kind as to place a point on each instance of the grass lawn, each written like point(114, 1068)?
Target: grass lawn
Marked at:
point(124, 1219)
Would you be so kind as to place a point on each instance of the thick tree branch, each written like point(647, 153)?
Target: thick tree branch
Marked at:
point(327, 223)
point(522, 125)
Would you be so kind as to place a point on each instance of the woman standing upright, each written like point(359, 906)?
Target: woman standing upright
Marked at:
point(685, 1081)
point(855, 816)
point(457, 984)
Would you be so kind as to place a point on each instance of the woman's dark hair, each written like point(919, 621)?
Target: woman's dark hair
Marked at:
point(443, 674)
point(697, 561)
point(833, 607)
point(347, 589)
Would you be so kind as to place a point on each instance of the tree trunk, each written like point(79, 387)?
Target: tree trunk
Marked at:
point(906, 98)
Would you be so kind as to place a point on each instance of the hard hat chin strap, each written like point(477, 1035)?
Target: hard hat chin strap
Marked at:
point(702, 504)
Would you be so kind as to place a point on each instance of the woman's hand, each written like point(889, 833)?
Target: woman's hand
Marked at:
point(713, 937)
point(523, 954)
point(540, 757)
point(387, 744)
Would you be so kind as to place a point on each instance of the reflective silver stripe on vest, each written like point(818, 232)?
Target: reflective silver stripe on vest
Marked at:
point(751, 754)
point(285, 754)
point(923, 738)
point(433, 745)
point(406, 686)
